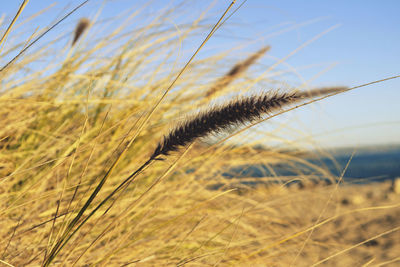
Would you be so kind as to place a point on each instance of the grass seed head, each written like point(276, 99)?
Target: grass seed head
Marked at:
point(80, 28)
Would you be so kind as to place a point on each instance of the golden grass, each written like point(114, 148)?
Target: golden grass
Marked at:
point(96, 113)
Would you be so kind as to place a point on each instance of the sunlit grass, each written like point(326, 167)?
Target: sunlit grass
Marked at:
point(67, 114)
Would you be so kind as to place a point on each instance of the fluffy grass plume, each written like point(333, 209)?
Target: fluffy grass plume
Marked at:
point(234, 113)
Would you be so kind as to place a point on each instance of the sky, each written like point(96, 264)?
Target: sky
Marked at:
point(362, 47)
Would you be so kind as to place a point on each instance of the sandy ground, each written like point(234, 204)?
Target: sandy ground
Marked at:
point(362, 228)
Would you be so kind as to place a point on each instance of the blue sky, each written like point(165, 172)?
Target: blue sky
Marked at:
point(363, 48)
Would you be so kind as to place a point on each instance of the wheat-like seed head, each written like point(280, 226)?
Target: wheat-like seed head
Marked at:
point(240, 111)
point(220, 118)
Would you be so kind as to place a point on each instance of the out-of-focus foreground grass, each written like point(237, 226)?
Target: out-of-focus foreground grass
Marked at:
point(65, 120)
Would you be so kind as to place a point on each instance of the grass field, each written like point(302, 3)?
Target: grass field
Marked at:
point(78, 121)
